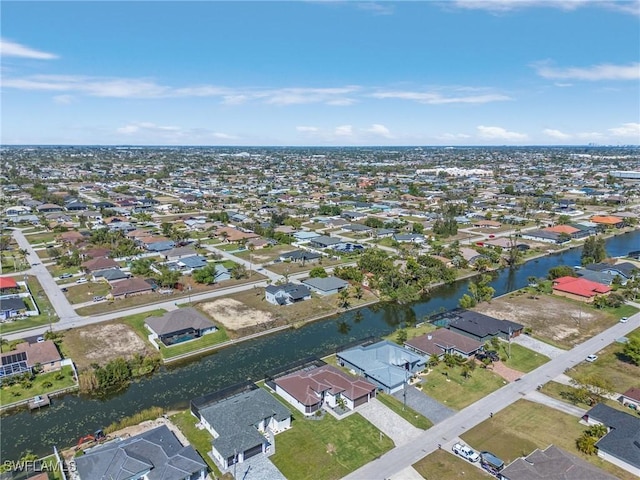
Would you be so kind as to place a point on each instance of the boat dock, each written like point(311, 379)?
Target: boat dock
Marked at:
point(39, 401)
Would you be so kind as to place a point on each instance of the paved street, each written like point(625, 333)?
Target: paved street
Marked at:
point(426, 442)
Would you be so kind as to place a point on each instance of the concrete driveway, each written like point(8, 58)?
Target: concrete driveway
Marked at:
point(425, 405)
point(538, 346)
point(388, 422)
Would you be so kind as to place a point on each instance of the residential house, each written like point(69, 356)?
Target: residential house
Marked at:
point(179, 252)
point(486, 224)
point(443, 341)
point(631, 398)
point(353, 216)
point(384, 363)
point(129, 287)
point(242, 425)
point(286, 294)
point(544, 236)
point(621, 444)
point(154, 454)
point(324, 241)
point(357, 228)
point(307, 390)
point(71, 237)
point(326, 286)
point(624, 270)
point(193, 262)
point(579, 288)
point(28, 355)
point(608, 221)
point(100, 263)
point(109, 275)
point(482, 327)
point(7, 285)
point(11, 307)
point(179, 325)
point(409, 238)
point(552, 463)
point(300, 256)
point(303, 237)
point(48, 208)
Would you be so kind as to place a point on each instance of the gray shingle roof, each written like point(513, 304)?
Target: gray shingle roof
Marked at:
point(177, 320)
point(623, 439)
point(234, 419)
point(482, 325)
point(326, 284)
point(157, 450)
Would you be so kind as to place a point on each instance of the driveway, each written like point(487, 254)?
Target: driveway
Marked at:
point(257, 468)
point(390, 423)
point(425, 405)
point(538, 346)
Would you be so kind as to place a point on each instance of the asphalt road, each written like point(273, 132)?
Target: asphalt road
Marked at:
point(399, 458)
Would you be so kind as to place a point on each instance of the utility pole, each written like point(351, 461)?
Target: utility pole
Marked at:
point(509, 342)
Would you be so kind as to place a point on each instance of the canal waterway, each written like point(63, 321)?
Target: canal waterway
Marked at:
point(73, 416)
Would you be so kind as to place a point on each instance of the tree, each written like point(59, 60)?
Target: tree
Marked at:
point(561, 271)
point(401, 336)
point(632, 350)
point(587, 444)
point(417, 228)
point(358, 291)
point(318, 272)
point(466, 301)
point(238, 271)
point(564, 220)
point(205, 275)
point(373, 222)
point(141, 267)
point(433, 361)
point(343, 298)
point(168, 278)
point(594, 250)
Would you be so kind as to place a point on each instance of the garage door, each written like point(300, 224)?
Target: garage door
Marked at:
point(253, 451)
point(361, 401)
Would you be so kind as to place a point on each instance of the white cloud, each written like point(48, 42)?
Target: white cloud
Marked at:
point(344, 131)
point(63, 99)
point(377, 8)
point(149, 132)
point(631, 130)
point(452, 136)
point(604, 71)
point(305, 129)
point(563, 85)
point(432, 98)
point(13, 49)
point(503, 6)
point(499, 133)
point(557, 134)
point(224, 136)
point(380, 130)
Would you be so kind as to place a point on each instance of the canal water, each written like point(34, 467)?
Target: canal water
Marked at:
point(73, 416)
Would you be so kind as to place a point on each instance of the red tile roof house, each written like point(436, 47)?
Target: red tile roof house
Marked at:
point(308, 390)
point(631, 398)
point(579, 288)
point(444, 341)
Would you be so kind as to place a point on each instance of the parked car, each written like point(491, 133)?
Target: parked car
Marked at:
point(624, 320)
point(64, 290)
point(466, 452)
point(491, 355)
point(65, 275)
point(98, 299)
point(592, 358)
point(81, 280)
point(40, 339)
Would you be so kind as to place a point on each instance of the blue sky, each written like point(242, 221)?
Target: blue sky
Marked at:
point(472, 72)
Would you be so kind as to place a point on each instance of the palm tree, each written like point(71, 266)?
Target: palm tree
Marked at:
point(358, 291)
point(23, 253)
point(343, 298)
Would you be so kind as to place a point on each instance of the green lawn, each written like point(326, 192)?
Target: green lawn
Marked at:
point(327, 449)
point(199, 439)
point(205, 341)
point(45, 237)
point(445, 465)
point(85, 292)
point(40, 297)
point(137, 321)
point(412, 332)
point(610, 365)
point(525, 426)
point(15, 393)
point(521, 359)
point(414, 418)
point(563, 392)
point(459, 392)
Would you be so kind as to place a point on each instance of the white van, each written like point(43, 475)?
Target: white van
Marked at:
point(81, 280)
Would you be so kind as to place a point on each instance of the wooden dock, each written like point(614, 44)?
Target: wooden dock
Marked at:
point(39, 402)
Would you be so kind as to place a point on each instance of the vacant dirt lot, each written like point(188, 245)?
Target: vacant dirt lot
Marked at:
point(101, 343)
point(562, 321)
point(235, 315)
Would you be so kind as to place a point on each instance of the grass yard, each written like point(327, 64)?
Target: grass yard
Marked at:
point(611, 365)
point(521, 359)
point(193, 345)
point(291, 268)
point(410, 415)
point(39, 296)
point(199, 439)
point(525, 426)
point(137, 321)
point(459, 392)
point(563, 392)
point(327, 449)
point(445, 465)
point(37, 238)
point(265, 255)
point(412, 332)
point(41, 384)
point(86, 291)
